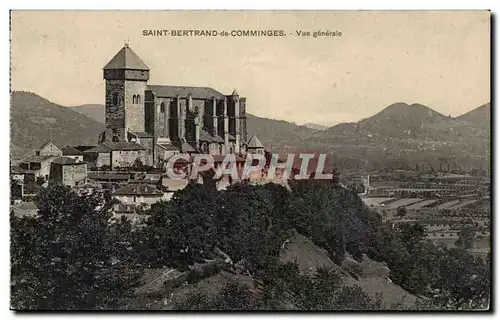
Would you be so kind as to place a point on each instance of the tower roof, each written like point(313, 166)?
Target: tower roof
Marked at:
point(235, 93)
point(254, 143)
point(126, 59)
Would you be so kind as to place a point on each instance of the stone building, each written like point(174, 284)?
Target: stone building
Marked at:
point(49, 149)
point(72, 152)
point(137, 194)
point(68, 171)
point(168, 119)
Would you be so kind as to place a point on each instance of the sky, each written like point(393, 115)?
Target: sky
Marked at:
point(437, 58)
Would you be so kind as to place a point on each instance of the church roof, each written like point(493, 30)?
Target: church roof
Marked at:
point(126, 59)
point(186, 147)
point(205, 136)
point(255, 143)
point(235, 93)
point(201, 93)
point(168, 147)
point(218, 139)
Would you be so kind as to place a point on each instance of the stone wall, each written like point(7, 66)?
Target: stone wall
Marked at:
point(243, 119)
point(73, 174)
point(115, 109)
point(134, 112)
point(126, 158)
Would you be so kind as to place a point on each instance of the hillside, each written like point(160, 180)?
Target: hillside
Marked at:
point(34, 120)
point(93, 111)
point(315, 126)
point(479, 116)
point(404, 133)
point(277, 135)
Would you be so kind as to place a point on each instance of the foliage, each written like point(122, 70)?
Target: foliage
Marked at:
point(465, 238)
point(68, 257)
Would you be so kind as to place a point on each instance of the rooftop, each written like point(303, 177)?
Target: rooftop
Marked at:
point(168, 147)
point(205, 136)
point(67, 161)
point(403, 202)
point(108, 176)
point(254, 143)
point(37, 159)
point(126, 59)
point(123, 145)
point(102, 148)
point(200, 93)
point(138, 189)
point(71, 151)
point(141, 134)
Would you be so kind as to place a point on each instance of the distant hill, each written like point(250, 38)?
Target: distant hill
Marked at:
point(315, 126)
point(479, 116)
point(402, 134)
point(93, 111)
point(277, 135)
point(35, 120)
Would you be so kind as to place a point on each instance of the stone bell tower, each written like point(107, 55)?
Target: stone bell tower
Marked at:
point(126, 77)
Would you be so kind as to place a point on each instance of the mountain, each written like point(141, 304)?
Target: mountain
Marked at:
point(93, 111)
point(315, 126)
point(277, 135)
point(479, 116)
point(35, 120)
point(402, 134)
point(274, 134)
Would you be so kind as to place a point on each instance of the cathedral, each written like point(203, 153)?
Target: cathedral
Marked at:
point(163, 120)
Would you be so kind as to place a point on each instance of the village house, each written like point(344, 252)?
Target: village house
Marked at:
point(68, 171)
point(72, 152)
point(98, 157)
point(138, 194)
point(38, 164)
point(49, 149)
point(116, 155)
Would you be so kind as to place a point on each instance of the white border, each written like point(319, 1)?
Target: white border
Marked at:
point(185, 5)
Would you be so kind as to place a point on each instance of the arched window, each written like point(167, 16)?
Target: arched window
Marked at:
point(133, 99)
point(138, 99)
point(162, 108)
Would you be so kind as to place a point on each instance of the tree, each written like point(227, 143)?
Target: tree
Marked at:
point(182, 230)
point(68, 257)
point(465, 238)
point(401, 212)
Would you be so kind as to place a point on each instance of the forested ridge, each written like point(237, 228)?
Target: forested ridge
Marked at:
point(72, 255)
